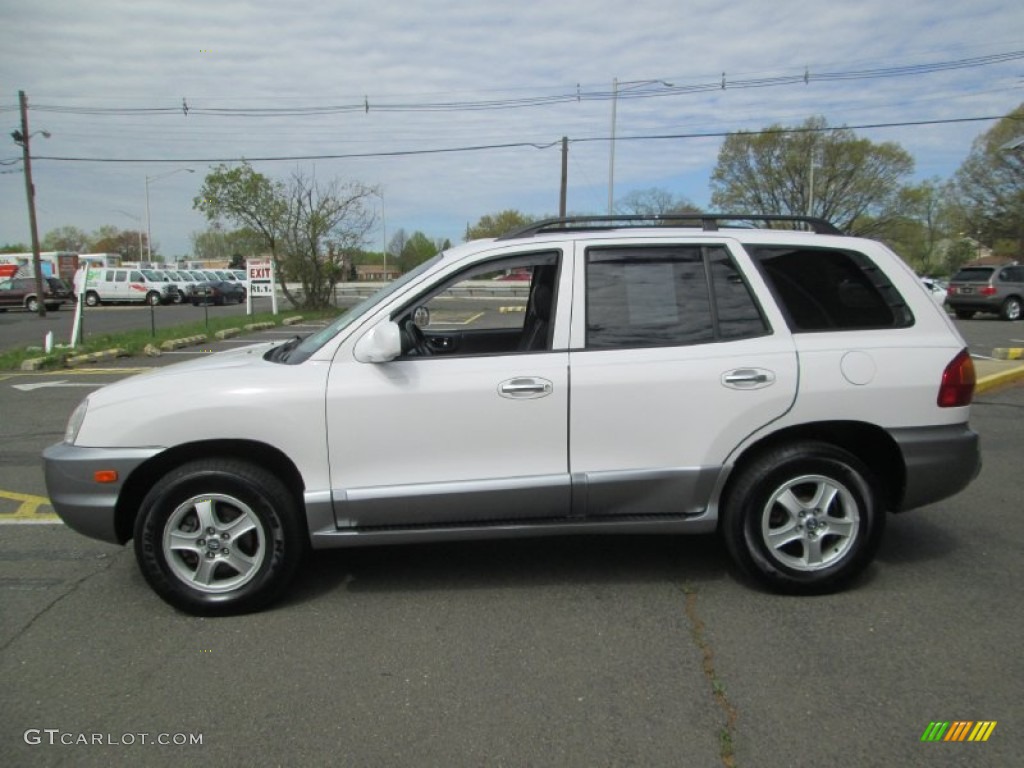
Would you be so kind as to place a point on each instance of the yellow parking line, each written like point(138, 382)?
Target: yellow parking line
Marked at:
point(27, 509)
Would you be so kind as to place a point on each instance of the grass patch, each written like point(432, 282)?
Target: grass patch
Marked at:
point(134, 342)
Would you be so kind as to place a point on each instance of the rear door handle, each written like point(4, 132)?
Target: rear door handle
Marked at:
point(748, 378)
point(525, 388)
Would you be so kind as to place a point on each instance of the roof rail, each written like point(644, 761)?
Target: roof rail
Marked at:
point(709, 222)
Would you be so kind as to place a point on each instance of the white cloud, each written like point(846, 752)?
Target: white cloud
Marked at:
point(266, 54)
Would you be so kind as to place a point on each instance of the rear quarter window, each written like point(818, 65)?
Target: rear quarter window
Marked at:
point(828, 289)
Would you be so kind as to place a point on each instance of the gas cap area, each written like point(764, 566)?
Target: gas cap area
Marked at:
point(858, 368)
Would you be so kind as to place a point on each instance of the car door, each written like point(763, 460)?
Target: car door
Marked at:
point(674, 363)
point(469, 425)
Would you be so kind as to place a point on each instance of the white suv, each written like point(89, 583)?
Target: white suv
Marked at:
point(784, 386)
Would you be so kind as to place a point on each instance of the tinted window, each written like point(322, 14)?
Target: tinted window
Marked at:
point(821, 289)
point(973, 275)
point(662, 296)
point(1012, 275)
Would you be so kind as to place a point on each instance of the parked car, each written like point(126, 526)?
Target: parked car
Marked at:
point(937, 288)
point(783, 387)
point(997, 290)
point(20, 292)
point(219, 292)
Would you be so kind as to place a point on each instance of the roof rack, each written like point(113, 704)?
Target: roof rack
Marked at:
point(709, 222)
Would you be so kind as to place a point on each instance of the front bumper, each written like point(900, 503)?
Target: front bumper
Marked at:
point(82, 503)
point(940, 462)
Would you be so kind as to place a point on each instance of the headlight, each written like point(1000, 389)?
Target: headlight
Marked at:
point(75, 422)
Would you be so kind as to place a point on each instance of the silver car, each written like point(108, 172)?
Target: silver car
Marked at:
point(999, 290)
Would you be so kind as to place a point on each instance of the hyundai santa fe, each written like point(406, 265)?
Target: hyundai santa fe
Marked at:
point(765, 378)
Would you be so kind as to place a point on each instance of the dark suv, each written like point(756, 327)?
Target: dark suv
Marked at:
point(20, 292)
point(999, 290)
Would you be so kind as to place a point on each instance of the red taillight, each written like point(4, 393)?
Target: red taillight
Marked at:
point(958, 380)
point(988, 290)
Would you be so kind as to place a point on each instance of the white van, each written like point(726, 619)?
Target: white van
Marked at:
point(106, 285)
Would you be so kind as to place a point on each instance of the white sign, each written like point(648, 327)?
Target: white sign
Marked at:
point(260, 282)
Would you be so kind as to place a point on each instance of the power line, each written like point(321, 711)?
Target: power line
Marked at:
point(656, 89)
point(517, 145)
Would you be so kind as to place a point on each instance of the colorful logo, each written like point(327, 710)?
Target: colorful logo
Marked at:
point(959, 730)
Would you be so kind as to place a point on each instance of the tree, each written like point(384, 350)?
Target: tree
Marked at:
point(233, 246)
point(418, 248)
point(129, 243)
point(66, 238)
point(15, 248)
point(498, 224)
point(812, 169)
point(307, 228)
point(990, 185)
point(924, 234)
point(653, 202)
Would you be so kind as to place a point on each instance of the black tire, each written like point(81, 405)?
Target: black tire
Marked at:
point(964, 314)
point(799, 504)
point(1011, 309)
point(153, 298)
point(249, 571)
point(32, 304)
point(92, 299)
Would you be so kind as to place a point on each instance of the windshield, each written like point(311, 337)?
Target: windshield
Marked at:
point(151, 275)
point(314, 341)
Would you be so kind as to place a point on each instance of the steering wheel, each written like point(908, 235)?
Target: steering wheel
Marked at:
point(417, 339)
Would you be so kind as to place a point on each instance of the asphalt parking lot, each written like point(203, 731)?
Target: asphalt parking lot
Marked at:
point(565, 652)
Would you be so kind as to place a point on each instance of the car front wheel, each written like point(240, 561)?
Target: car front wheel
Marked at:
point(803, 518)
point(219, 537)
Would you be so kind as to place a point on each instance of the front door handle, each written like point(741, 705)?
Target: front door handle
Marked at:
point(525, 388)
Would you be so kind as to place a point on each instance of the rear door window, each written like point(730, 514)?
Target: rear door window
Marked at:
point(665, 296)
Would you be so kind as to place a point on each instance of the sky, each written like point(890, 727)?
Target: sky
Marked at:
point(456, 109)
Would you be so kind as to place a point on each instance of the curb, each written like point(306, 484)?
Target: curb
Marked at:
point(996, 380)
point(172, 344)
point(95, 357)
point(1008, 353)
point(292, 320)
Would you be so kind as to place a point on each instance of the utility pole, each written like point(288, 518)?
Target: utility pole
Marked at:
point(30, 192)
point(565, 177)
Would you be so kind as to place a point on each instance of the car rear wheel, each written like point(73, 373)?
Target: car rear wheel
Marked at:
point(803, 518)
point(32, 304)
point(92, 299)
point(219, 537)
point(1010, 309)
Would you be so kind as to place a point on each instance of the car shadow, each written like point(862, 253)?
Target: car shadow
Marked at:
point(514, 564)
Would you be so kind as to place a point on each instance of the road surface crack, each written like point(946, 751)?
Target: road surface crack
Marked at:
point(725, 735)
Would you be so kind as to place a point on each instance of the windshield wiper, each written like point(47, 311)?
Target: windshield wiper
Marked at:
point(280, 354)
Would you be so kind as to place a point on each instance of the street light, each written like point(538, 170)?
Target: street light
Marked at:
point(384, 230)
point(611, 156)
point(149, 233)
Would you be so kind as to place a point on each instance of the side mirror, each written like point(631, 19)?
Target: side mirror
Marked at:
point(380, 344)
